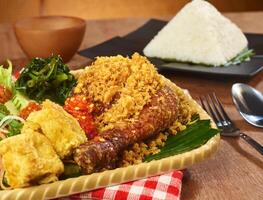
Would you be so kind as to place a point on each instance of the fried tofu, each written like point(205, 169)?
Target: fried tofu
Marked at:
point(62, 129)
point(29, 158)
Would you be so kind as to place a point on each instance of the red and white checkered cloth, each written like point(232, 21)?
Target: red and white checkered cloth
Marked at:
point(163, 187)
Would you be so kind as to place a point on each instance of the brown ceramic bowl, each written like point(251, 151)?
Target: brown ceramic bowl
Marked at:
point(42, 36)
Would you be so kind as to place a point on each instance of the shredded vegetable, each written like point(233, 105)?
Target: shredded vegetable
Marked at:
point(6, 120)
point(10, 125)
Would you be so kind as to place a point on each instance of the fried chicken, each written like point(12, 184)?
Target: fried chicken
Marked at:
point(103, 151)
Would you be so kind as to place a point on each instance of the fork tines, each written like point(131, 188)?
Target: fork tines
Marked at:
point(212, 105)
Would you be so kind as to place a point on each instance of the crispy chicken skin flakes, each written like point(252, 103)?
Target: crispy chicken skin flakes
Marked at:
point(62, 129)
point(29, 158)
point(120, 84)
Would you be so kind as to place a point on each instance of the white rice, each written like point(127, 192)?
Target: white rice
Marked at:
point(198, 34)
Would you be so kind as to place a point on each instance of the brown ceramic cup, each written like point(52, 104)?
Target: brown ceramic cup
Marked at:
point(46, 35)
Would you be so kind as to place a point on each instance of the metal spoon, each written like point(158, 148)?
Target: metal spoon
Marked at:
point(249, 103)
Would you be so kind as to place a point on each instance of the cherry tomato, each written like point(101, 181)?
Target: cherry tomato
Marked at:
point(16, 75)
point(5, 94)
point(32, 106)
point(81, 107)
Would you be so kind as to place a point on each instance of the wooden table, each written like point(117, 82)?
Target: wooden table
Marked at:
point(236, 171)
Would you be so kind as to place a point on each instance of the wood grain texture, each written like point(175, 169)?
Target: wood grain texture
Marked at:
point(110, 9)
point(12, 10)
point(236, 171)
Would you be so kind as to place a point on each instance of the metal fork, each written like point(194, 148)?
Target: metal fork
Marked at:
point(214, 108)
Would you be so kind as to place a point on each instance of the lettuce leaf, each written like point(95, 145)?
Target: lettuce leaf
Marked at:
point(18, 100)
point(6, 77)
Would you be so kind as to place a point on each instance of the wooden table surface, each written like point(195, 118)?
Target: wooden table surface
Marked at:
point(236, 170)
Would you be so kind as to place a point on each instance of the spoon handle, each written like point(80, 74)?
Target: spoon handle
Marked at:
point(252, 142)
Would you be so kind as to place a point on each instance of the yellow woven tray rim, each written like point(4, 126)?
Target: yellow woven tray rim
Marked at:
point(119, 175)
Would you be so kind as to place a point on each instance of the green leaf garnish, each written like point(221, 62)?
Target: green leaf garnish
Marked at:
point(244, 55)
point(195, 135)
point(70, 170)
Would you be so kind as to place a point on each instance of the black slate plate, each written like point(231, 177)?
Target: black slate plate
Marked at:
point(114, 46)
point(137, 40)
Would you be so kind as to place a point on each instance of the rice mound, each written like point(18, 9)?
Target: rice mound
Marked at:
point(198, 34)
